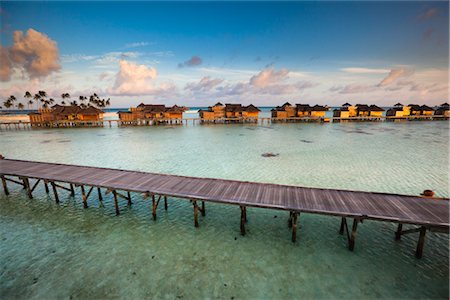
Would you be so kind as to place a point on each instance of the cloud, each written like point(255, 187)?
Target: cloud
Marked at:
point(33, 52)
point(427, 14)
point(394, 74)
point(353, 88)
point(365, 70)
point(137, 44)
point(205, 84)
point(192, 62)
point(267, 77)
point(133, 79)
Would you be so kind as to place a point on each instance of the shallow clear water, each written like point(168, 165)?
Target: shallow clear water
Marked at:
point(55, 251)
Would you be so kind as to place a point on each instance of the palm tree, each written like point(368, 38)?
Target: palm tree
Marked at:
point(20, 106)
point(51, 101)
point(43, 94)
point(37, 98)
point(28, 96)
point(64, 96)
point(7, 103)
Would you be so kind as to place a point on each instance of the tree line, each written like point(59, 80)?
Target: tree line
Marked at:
point(41, 100)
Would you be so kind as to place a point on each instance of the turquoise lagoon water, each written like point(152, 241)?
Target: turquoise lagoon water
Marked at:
point(64, 251)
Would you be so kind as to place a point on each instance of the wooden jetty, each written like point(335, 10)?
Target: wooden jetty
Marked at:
point(423, 213)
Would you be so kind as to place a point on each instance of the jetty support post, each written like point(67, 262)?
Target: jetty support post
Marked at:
point(116, 203)
point(83, 194)
point(243, 213)
point(72, 190)
point(294, 226)
point(155, 204)
point(203, 211)
point(194, 202)
point(398, 233)
point(165, 202)
point(5, 187)
point(351, 237)
point(420, 244)
point(27, 186)
point(99, 192)
point(55, 192)
point(46, 186)
point(290, 220)
point(129, 198)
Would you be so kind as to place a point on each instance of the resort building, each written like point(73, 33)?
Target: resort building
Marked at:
point(420, 110)
point(70, 113)
point(398, 111)
point(346, 111)
point(443, 110)
point(155, 113)
point(300, 110)
point(229, 111)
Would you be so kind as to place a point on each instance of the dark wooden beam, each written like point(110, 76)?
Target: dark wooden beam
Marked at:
point(55, 192)
point(203, 211)
point(116, 204)
point(14, 181)
point(99, 192)
point(83, 195)
point(27, 186)
point(398, 233)
point(242, 220)
point(294, 226)
point(155, 204)
point(46, 186)
point(351, 242)
point(5, 186)
point(35, 185)
point(420, 244)
point(165, 202)
point(195, 213)
point(72, 190)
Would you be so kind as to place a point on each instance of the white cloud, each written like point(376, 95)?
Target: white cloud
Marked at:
point(394, 74)
point(137, 44)
point(134, 79)
point(268, 77)
point(204, 85)
point(34, 53)
point(365, 70)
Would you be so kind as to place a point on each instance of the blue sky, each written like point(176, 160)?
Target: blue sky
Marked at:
point(195, 53)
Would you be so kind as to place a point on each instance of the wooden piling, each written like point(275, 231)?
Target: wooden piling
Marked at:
point(83, 195)
point(55, 192)
point(46, 186)
point(294, 226)
point(398, 233)
point(343, 223)
point(5, 187)
point(165, 202)
point(351, 242)
point(203, 209)
point(154, 207)
point(116, 203)
point(242, 220)
point(420, 244)
point(195, 213)
point(129, 199)
point(26, 182)
point(99, 192)
point(290, 220)
point(72, 190)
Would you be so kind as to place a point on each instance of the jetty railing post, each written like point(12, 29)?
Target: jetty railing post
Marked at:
point(351, 242)
point(165, 202)
point(5, 187)
point(55, 192)
point(24, 185)
point(419, 249)
point(294, 226)
point(195, 213)
point(116, 204)
point(242, 220)
point(203, 209)
point(83, 194)
point(398, 233)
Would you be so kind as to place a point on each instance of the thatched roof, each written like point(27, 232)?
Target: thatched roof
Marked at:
point(346, 104)
point(218, 104)
point(303, 107)
point(362, 107)
point(319, 108)
point(398, 104)
point(251, 108)
point(375, 108)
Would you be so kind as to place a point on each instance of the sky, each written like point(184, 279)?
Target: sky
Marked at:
point(198, 53)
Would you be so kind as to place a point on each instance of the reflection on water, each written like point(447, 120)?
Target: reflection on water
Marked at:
point(55, 251)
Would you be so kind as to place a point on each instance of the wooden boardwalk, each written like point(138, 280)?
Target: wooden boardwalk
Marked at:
point(427, 213)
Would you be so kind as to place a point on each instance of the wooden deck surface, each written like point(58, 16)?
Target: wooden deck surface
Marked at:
point(376, 206)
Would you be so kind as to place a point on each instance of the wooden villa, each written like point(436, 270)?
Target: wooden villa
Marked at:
point(345, 111)
point(358, 112)
point(229, 112)
point(397, 111)
point(443, 110)
point(152, 114)
point(300, 111)
point(67, 116)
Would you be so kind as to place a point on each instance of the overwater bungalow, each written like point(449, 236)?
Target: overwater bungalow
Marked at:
point(345, 111)
point(397, 111)
point(67, 116)
point(291, 113)
point(146, 114)
point(420, 110)
point(284, 111)
point(443, 110)
point(229, 112)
